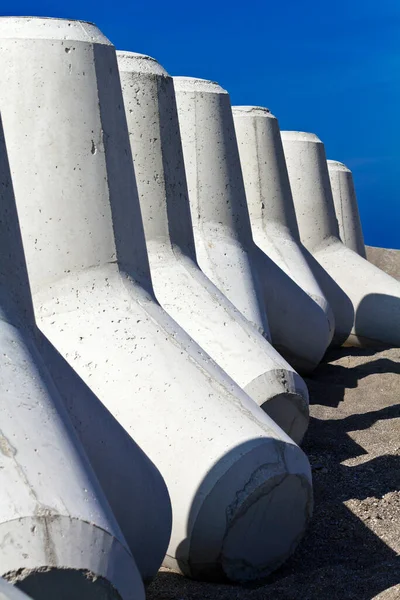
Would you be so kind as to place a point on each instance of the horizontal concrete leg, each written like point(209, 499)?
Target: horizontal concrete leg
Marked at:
point(51, 556)
point(289, 409)
point(267, 511)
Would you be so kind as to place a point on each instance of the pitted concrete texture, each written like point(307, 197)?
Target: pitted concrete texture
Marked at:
point(93, 298)
point(346, 206)
point(386, 259)
point(364, 299)
point(182, 289)
point(352, 547)
point(220, 218)
point(225, 248)
point(52, 510)
point(270, 203)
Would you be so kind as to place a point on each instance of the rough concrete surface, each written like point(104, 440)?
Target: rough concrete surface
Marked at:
point(181, 288)
point(352, 547)
point(346, 206)
point(94, 300)
point(365, 300)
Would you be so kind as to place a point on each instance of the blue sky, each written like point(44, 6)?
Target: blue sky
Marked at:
point(331, 67)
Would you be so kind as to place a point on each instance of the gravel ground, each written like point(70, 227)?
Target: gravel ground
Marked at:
point(351, 551)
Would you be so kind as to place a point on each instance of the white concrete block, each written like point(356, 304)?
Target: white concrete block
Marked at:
point(269, 199)
point(222, 231)
point(346, 207)
point(240, 488)
point(180, 286)
point(58, 534)
point(35, 72)
point(126, 474)
point(218, 205)
point(365, 300)
point(55, 525)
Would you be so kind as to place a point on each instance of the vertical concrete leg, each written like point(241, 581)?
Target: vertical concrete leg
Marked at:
point(58, 535)
point(374, 315)
point(56, 526)
point(240, 488)
point(346, 207)
point(225, 248)
point(180, 286)
point(220, 219)
point(133, 486)
point(269, 200)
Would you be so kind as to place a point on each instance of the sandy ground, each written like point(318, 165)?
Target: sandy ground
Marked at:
point(351, 550)
point(385, 259)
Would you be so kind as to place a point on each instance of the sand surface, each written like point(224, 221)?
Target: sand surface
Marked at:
point(351, 550)
point(385, 259)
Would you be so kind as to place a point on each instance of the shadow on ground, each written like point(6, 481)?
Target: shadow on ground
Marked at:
point(330, 381)
point(351, 549)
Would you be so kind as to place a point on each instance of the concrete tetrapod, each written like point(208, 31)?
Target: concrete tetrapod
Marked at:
point(58, 535)
point(346, 207)
point(269, 200)
point(180, 286)
point(373, 315)
point(224, 245)
point(133, 486)
point(240, 488)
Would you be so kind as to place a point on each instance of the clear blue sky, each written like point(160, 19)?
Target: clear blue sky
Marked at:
point(330, 67)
